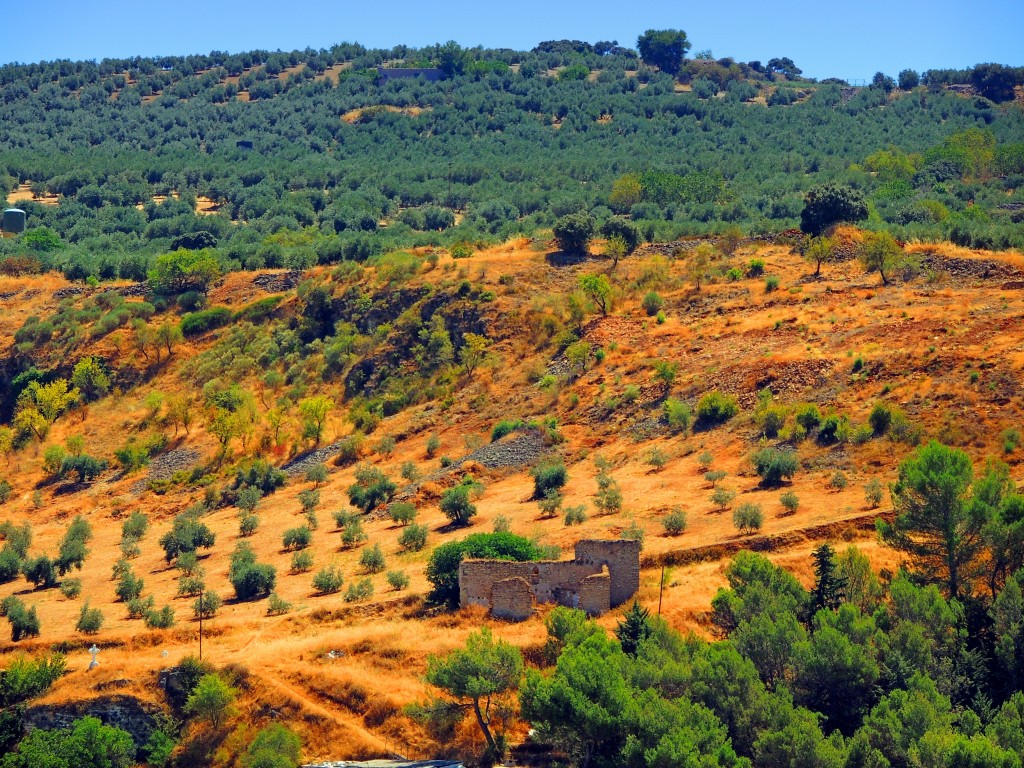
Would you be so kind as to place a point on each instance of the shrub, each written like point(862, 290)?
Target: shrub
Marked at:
point(773, 465)
point(722, 498)
point(402, 512)
point(873, 492)
point(371, 489)
point(771, 283)
point(748, 518)
point(247, 524)
point(409, 472)
point(576, 515)
point(297, 538)
point(24, 621)
point(790, 502)
point(302, 561)
point(41, 572)
point(262, 475)
point(678, 415)
point(85, 466)
point(191, 586)
point(135, 527)
point(398, 580)
point(129, 587)
point(248, 498)
point(881, 418)
point(1010, 439)
point(456, 506)
point(316, 473)
point(348, 450)
point(207, 605)
point(574, 231)
point(652, 303)
point(359, 590)
point(838, 480)
point(715, 408)
point(372, 559)
point(138, 607)
point(187, 534)
point(277, 605)
point(433, 446)
point(162, 619)
point(755, 268)
point(188, 563)
point(834, 428)
point(608, 498)
point(309, 499)
point(89, 619)
point(71, 588)
point(633, 532)
point(413, 538)
point(714, 476)
point(705, 460)
point(352, 532)
point(657, 459)
point(328, 580)
point(772, 419)
point(808, 416)
point(550, 504)
point(675, 521)
point(197, 323)
point(550, 475)
point(505, 427)
point(250, 579)
point(501, 524)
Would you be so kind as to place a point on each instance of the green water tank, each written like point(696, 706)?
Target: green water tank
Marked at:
point(13, 221)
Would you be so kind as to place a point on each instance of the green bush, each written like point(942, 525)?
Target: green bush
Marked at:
point(456, 506)
point(277, 605)
point(398, 580)
point(352, 532)
point(722, 497)
point(834, 428)
point(302, 561)
point(207, 605)
point(574, 232)
point(135, 527)
point(505, 427)
point(197, 323)
point(90, 620)
point(402, 512)
point(413, 537)
point(250, 579)
point(248, 524)
point(678, 415)
point(652, 303)
point(576, 515)
point(808, 416)
point(548, 476)
point(191, 586)
point(328, 581)
point(297, 538)
point(748, 518)
point(838, 480)
point(790, 502)
point(371, 489)
point(129, 587)
point(771, 283)
point(675, 521)
point(24, 621)
point(773, 465)
point(161, 619)
point(873, 492)
point(372, 560)
point(359, 590)
point(715, 408)
point(71, 588)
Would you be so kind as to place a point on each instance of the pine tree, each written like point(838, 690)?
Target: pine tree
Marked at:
point(634, 628)
point(829, 585)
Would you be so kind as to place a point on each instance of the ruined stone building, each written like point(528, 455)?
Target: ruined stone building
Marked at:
point(603, 574)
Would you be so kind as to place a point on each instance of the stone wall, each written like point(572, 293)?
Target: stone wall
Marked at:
point(603, 575)
point(623, 560)
point(512, 599)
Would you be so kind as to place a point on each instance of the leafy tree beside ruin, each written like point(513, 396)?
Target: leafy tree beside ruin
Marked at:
point(830, 204)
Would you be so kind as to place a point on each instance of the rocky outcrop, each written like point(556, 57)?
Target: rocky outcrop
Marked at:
point(137, 718)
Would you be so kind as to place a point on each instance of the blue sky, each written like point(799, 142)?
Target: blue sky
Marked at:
point(848, 40)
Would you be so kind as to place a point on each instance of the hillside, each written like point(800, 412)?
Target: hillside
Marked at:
point(383, 341)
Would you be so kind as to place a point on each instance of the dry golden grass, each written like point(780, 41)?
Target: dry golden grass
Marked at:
point(915, 341)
